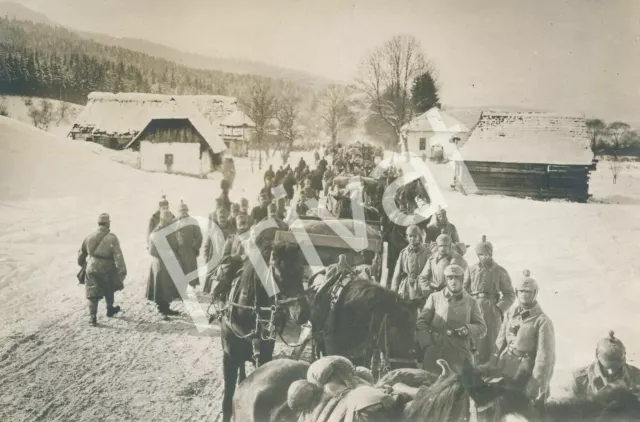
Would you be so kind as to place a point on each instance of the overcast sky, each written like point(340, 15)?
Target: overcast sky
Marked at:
point(573, 56)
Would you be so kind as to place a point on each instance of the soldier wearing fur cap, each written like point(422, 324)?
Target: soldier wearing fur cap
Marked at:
point(105, 268)
point(610, 370)
point(410, 263)
point(439, 225)
point(490, 285)
point(525, 346)
point(432, 277)
point(450, 319)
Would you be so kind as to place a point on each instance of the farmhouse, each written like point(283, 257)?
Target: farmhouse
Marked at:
point(237, 130)
point(179, 142)
point(113, 120)
point(526, 154)
point(437, 133)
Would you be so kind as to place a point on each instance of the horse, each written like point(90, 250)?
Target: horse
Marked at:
point(251, 321)
point(343, 208)
point(474, 395)
point(369, 325)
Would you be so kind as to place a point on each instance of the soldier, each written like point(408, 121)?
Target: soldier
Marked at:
point(609, 371)
point(441, 225)
point(269, 173)
point(308, 190)
point(105, 268)
point(223, 199)
point(221, 219)
point(189, 238)
point(233, 245)
point(272, 212)
point(155, 218)
point(244, 207)
point(411, 261)
point(260, 212)
point(450, 319)
point(490, 285)
point(328, 179)
point(235, 210)
point(432, 278)
point(161, 288)
point(525, 352)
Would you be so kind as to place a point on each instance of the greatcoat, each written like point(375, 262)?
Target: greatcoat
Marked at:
point(160, 285)
point(490, 285)
point(189, 237)
point(405, 276)
point(106, 269)
point(442, 314)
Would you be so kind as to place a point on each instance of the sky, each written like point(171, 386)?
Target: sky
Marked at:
point(572, 56)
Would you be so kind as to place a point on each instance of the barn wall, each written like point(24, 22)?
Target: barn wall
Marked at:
point(432, 138)
point(186, 157)
point(540, 181)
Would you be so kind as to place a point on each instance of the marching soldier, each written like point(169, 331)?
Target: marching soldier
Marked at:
point(432, 278)
point(410, 263)
point(490, 285)
point(451, 318)
point(610, 370)
point(441, 225)
point(233, 245)
point(105, 268)
point(221, 219)
point(272, 212)
point(189, 238)
point(155, 218)
point(526, 352)
point(260, 212)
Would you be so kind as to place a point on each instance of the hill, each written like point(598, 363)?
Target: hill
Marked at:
point(61, 117)
point(186, 59)
point(54, 62)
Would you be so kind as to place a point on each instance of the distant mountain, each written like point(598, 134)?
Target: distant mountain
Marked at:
point(191, 60)
point(23, 13)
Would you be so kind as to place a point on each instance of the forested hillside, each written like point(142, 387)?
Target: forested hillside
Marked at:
point(54, 62)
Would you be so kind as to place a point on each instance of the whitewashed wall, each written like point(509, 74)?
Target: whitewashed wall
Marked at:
point(432, 138)
point(186, 157)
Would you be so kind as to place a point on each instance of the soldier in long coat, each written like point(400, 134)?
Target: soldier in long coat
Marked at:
point(223, 200)
point(161, 288)
point(450, 319)
point(411, 261)
point(105, 268)
point(610, 370)
point(441, 225)
point(233, 245)
point(490, 285)
point(432, 278)
point(189, 238)
point(220, 218)
point(260, 212)
point(525, 348)
point(155, 218)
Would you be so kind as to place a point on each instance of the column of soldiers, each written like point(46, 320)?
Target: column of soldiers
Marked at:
point(467, 312)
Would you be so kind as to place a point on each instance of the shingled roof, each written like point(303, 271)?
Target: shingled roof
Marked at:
point(126, 114)
point(528, 137)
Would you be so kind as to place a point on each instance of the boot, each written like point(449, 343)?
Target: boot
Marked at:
point(112, 310)
point(93, 320)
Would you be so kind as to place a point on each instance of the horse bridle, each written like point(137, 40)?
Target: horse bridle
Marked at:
point(381, 349)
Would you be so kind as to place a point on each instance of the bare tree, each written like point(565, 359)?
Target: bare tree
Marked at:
point(596, 129)
point(288, 114)
point(43, 115)
point(259, 103)
point(386, 77)
point(619, 134)
point(335, 111)
point(63, 110)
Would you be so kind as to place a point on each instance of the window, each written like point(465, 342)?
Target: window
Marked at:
point(168, 161)
point(423, 144)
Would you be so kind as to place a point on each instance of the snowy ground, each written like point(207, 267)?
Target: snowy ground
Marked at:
point(53, 366)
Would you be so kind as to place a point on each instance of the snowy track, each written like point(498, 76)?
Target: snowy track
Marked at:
point(136, 366)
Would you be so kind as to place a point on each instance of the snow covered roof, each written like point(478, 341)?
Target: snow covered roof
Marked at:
point(174, 110)
point(528, 137)
point(435, 120)
point(237, 119)
point(125, 114)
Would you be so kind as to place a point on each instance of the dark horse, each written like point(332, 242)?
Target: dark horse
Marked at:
point(370, 325)
point(249, 326)
point(458, 397)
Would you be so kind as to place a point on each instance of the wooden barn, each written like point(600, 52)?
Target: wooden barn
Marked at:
point(179, 144)
point(237, 131)
point(113, 120)
point(526, 154)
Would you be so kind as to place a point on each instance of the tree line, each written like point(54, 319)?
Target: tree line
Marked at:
point(54, 62)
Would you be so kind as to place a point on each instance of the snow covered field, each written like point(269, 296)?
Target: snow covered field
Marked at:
point(54, 366)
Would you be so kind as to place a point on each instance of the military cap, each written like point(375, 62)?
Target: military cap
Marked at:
point(526, 282)
point(483, 247)
point(441, 211)
point(183, 206)
point(163, 201)
point(611, 349)
point(235, 207)
point(454, 270)
point(103, 218)
point(443, 239)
